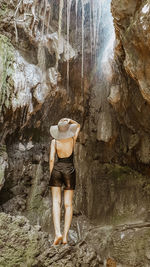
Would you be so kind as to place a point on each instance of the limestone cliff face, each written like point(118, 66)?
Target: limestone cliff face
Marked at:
point(132, 51)
point(37, 66)
point(49, 71)
point(134, 36)
point(41, 81)
point(109, 103)
point(118, 122)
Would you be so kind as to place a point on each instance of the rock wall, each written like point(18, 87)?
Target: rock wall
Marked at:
point(132, 52)
point(33, 97)
point(117, 126)
point(111, 109)
point(48, 72)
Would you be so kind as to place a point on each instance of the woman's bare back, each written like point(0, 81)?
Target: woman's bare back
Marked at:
point(64, 147)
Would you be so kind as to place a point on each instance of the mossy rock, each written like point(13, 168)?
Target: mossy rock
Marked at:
point(3, 10)
point(23, 244)
point(121, 173)
point(2, 149)
point(6, 71)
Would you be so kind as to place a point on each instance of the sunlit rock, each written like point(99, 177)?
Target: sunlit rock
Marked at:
point(146, 8)
point(60, 46)
point(22, 147)
point(54, 76)
point(26, 77)
point(29, 145)
point(41, 92)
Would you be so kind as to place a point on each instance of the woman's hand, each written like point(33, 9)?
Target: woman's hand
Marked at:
point(70, 121)
point(66, 119)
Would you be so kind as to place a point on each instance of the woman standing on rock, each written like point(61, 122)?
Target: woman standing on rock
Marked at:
point(62, 172)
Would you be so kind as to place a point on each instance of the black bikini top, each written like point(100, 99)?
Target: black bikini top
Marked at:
point(66, 159)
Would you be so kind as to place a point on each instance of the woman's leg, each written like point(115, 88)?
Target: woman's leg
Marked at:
point(56, 197)
point(68, 196)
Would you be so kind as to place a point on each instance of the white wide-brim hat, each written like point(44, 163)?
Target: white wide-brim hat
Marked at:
point(63, 130)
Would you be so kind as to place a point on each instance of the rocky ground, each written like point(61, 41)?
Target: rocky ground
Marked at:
point(24, 245)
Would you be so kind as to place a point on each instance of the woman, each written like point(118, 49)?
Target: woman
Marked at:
point(62, 172)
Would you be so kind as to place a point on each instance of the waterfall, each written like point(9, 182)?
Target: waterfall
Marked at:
point(91, 32)
point(99, 14)
point(48, 19)
point(15, 24)
point(104, 69)
point(34, 15)
point(69, 2)
point(44, 17)
point(61, 4)
point(94, 11)
point(60, 17)
point(76, 7)
point(95, 20)
point(107, 42)
point(41, 19)
point(82, 67)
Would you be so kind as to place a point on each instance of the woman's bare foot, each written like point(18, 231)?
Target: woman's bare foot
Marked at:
point(64, 240)
point(57, 240)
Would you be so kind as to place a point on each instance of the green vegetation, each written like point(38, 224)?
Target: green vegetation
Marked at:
point(119, 173)
point(6, 71)
point(3, 10)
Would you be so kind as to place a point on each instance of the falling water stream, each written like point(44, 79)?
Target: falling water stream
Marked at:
point(68, 28)
point(82, 68)
point(41, 12)
point(76, 7)
point(59, 28)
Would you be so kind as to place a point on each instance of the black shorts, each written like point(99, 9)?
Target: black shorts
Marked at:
point(63, 173)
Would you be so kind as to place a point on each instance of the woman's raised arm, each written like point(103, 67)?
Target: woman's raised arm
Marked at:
point(78, 128)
